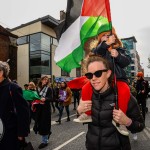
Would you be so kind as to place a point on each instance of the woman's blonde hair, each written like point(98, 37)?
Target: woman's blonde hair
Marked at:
point(32, 85)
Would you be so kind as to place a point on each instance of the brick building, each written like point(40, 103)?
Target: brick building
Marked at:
point(8, 50)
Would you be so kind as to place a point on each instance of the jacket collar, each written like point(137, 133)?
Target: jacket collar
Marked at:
point(4, 82)
point(104, 94)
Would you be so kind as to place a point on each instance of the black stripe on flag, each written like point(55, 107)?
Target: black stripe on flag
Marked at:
point(73, 11)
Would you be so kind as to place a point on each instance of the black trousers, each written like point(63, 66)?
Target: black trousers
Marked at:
point(142, 103)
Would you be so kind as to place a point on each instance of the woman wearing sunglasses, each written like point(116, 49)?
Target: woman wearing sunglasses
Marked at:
point(101, 133)
point(118, 60)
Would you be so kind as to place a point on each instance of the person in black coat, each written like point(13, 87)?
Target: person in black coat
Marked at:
point(43, 111)
point(102, 134)
point(14, 112)
point(56, 95)
point(76, 97)
point(141, 92)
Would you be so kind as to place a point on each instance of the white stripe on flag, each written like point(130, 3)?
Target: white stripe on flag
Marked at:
point(69, 40)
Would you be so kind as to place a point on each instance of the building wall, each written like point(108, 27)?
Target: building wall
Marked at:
point(30, 29)
point(55, 69)
point(4, 47)
point(23, 64)
point(8, 51)
point(23, 52)
point(130, 44)
point(48, 30)
point(13, 62)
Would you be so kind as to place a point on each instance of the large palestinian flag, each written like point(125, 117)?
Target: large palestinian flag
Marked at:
point(84, 19)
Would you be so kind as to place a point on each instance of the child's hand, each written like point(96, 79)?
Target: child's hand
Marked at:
point(111, 40)
point(84, 106)
point(114, 53)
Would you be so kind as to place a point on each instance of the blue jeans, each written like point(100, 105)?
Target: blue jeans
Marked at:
point(61, 108)
point(45, 139)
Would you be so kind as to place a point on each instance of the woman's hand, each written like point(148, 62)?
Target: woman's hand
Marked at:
point(121, 118)
point(84, 106)
point(43, 99)
point(20, 138)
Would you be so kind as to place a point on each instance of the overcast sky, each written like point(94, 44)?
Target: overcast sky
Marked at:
point(129, 17)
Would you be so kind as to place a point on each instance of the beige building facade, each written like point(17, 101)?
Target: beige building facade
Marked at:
point(36, 48)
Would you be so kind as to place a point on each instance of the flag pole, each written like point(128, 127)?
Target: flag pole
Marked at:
point(115, 79)
point(115, 84)
point(114, 66)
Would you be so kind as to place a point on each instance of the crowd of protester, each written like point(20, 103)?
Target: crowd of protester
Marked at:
point(38, 101)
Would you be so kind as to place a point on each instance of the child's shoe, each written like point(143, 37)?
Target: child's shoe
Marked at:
point(83, 118)
point(121, 128)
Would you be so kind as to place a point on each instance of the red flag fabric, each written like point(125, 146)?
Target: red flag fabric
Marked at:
point(77, 83)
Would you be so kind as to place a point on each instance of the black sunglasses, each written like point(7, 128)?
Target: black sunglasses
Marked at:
point(97, 73)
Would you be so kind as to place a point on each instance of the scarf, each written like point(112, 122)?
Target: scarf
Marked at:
point(43, 92)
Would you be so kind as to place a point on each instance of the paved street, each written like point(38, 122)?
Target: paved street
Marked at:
point(71, 136)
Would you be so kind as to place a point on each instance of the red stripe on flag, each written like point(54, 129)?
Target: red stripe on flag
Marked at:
point(96, 8)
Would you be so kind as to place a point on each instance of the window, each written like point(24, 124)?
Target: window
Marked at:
point(35, 61)
point(40, 61)
point(131, 46)
point(133, 61)
point(45, 42)
point(63, 73)
point(132, 67)
point(132, 55)
point(78, 72)
point(35, 42)
point(22, 40)
point(132, 74)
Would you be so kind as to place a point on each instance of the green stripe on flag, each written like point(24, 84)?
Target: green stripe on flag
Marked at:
point(72, 60)
point(94, 26)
